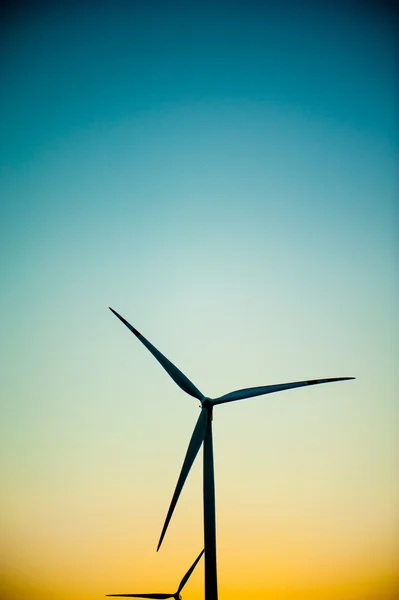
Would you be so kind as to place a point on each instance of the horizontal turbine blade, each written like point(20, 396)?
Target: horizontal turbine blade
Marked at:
point(195, 444)
point(188, 574)
point(178, 377)
point(269, 389)
point(155, 596)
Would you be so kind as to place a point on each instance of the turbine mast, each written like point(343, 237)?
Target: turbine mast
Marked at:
point(211, 584)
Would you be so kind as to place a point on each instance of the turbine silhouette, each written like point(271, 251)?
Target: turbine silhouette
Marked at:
point(176, 595)
point(202, 434)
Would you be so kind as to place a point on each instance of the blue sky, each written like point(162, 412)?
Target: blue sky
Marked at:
point(225, 176)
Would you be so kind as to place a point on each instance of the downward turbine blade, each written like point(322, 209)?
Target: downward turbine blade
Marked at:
point(269, 389)
point(155, 596)
point(188, 574)
point(195, 444)
point(178, 377)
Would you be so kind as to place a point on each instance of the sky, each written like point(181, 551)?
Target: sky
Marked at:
point(224, 175)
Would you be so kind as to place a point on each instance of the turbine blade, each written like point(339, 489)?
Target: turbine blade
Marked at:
point(188, 574)
point(195, 444)
point(155, 596)
point(269, 389)
point(178, 377)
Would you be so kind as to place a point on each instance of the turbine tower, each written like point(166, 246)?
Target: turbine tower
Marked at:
point(202, 434)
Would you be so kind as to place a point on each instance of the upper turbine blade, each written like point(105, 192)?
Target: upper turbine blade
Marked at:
point(188, 574)
point(155, 596)
point(195, 444)
point(178, 377)
point(269, 389)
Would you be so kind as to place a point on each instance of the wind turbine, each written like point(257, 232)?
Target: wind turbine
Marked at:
point(176, 595)
point(203, 434)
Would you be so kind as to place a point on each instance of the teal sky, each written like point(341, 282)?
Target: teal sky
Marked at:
point(225, 176)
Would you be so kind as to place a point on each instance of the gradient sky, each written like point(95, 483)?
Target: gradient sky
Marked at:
point(225, 176)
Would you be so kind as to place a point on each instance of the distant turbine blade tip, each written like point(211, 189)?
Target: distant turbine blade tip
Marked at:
point(132, 329)
point(316, 381)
